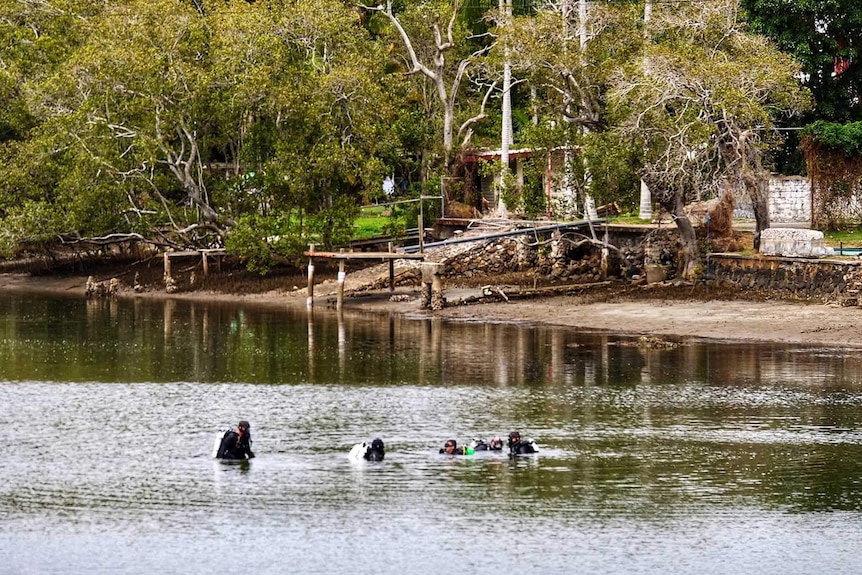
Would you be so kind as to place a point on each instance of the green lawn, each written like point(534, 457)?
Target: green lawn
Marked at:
point(849, 238)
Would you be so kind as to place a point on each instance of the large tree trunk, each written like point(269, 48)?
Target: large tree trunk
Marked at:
point(688, 253)
point(757, 186)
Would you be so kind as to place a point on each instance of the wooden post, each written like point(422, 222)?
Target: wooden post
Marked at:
point(167, 266)
point(421, 235)
point(341, 277)
point(309, 301)
point(206, 264)
point(391, 271)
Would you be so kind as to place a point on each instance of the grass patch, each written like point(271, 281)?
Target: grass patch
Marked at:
point(851, 238)
point(366, 227)
point(628, 219)
point(371, 211)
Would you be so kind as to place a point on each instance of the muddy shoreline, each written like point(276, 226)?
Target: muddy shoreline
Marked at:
point(666, 311)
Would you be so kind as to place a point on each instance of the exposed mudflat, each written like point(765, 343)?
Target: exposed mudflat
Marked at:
point(663, 310)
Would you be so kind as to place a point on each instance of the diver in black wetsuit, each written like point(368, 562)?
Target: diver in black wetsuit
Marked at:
point(519, 447)
point(236, 444)
point(479, 445)
point(495, 444)
point(451, 448)
point(375, 452)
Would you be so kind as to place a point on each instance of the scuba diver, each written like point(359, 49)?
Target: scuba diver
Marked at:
point(373, 452)
point(451, 448)
point(520, 447)
point(479, 445)
point(376, 451)
point(236, 444)
point(496, 444)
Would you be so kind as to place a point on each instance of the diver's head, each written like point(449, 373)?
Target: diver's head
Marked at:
point(514, 437)
point(377, 445)
point(243, 425)
point(496, 443)
point(450, 446)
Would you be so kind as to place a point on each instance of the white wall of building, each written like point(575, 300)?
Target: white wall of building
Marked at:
point(789, 201)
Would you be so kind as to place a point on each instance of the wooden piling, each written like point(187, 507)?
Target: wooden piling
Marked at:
point(342, 275)
point(421, 235)
point(309, 302)
point(391, 270)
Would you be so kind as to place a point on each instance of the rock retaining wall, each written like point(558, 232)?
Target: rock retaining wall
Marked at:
point(568, 257)
point(824, 280)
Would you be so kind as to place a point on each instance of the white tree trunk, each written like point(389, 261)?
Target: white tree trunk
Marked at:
point(506, 128)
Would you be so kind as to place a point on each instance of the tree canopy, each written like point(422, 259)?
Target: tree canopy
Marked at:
point(261, 126)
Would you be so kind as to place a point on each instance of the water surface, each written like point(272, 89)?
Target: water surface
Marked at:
point(705, 458)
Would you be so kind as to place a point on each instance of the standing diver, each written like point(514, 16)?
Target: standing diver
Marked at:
point(236, 444)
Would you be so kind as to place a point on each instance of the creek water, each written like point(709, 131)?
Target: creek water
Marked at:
point(707, 458)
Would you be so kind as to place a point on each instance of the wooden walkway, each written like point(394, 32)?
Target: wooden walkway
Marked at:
point(343, 257)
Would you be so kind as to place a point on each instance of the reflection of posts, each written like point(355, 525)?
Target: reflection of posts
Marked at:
point(342, 347)
point(168, 318)
point(432, 286)
point(310, 345)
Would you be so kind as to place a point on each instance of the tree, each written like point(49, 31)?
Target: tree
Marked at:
point(446, 77)
point(826, 38)
point(699, 104)
point(568, 66)
point(197, 117)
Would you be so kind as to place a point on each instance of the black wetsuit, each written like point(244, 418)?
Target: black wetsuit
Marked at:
point(522, 447)
point(375, 452)
point(234, 446)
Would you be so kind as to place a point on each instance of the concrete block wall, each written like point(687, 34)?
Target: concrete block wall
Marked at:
point(789, 201)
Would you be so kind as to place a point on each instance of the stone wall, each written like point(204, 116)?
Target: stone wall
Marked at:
point(789, 201)
point(824, 280)
point(568, 257)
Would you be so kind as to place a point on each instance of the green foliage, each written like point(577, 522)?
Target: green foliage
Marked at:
point(264, 125)
point(611, 166)
point(846, 138)
point(818, 34)
point(533, 196)
point(30, 225)
point(263, 241)
point(175, 122)
point(333, 224)
point(834, 163)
